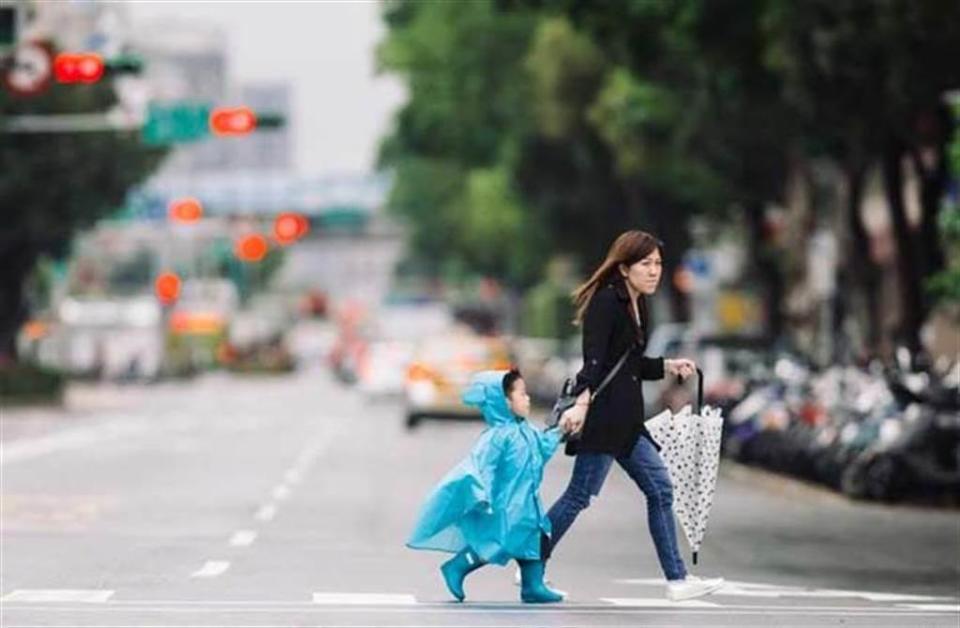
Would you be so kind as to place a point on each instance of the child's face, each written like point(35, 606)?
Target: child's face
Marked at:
point(519, 400)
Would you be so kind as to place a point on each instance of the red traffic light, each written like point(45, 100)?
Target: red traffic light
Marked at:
point(167, 287)
point(186, 210)
point(251, 248)
point(85, 67)
point(232, 121)
point(290, 227)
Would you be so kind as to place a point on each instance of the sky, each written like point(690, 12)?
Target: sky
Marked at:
point(325, 49)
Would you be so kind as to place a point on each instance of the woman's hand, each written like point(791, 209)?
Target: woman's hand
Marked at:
point(681, 367)
point(572, 420)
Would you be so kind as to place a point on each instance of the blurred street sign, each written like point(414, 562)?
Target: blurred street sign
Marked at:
point(176, 123)
point(125, 64)
point(29, 70)
point(698, 263)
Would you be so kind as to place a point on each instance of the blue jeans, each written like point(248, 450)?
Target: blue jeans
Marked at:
point(646, 468)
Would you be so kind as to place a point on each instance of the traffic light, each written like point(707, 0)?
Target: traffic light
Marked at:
point(290, 227)
point(185, 210)
point(270, 120)
point(84, 67)
point(167, 287)
point(251, 248)
point(232, 121)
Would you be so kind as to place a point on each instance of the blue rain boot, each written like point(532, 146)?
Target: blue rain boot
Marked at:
point(532, 588)
point(456, 569)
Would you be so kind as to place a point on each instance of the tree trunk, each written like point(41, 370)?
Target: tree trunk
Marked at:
point(934, 178)
point(18, 261)
point(765, 268)
point(912, 307)
point(859, 267)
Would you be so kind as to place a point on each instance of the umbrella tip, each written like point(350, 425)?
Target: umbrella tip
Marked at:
point(695, 558)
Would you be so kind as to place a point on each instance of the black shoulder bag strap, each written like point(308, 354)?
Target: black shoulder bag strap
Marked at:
point(613, 372)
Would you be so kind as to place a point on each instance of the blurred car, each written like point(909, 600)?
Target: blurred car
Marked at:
point(441, 368)
point(199, 323)
point(113, 337)
point(390, 340)
point(257, 337)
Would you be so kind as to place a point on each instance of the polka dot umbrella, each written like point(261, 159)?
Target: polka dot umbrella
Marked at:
point(690, 448)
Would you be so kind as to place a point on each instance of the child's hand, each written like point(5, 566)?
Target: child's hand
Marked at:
point(572, 420)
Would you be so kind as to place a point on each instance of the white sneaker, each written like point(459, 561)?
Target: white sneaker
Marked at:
point(692, 587)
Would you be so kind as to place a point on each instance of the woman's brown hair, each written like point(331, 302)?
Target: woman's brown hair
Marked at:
point(628, 249)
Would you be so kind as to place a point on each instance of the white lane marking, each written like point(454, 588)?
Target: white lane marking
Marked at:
point(737, 583)
point(281, 492)
point(242, 538)
point(893, 597)
point(653, 602)
point(752, 589)
point(266, 513)
point(58, 595)
point(364, 599)
point(949, 608)
point(211, 569)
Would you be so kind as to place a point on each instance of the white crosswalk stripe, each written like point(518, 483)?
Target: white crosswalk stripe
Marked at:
point(876, 604)
point(242, 538)
point(652, 602)
point(946, 608)
point(735, 588)
point(363, 599)
point(58, 595)
point(211, 569)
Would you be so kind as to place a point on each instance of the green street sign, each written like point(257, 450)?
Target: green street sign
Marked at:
point(176, 123)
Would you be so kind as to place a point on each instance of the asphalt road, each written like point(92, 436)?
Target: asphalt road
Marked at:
point(239, 501)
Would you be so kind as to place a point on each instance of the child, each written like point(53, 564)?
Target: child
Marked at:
point(487, 510)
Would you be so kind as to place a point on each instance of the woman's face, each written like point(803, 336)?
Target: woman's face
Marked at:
point(644, 276)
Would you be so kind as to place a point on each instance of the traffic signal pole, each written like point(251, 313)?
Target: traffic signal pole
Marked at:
point(92, 122)
point(68, 123)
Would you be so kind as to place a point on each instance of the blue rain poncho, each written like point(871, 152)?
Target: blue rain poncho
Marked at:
point(489, 502)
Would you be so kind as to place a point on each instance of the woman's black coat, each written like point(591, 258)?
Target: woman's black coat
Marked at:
point(615, 417)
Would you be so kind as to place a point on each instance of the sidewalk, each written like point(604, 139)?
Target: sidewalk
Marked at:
point(82, 403)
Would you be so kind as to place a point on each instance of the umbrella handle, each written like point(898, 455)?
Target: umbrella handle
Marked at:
point(699, 390)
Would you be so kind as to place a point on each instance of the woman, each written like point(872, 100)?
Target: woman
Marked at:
point(611, 307)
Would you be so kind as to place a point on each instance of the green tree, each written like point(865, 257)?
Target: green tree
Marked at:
point(467, 104)
point(691, 116)
point(868, 79)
